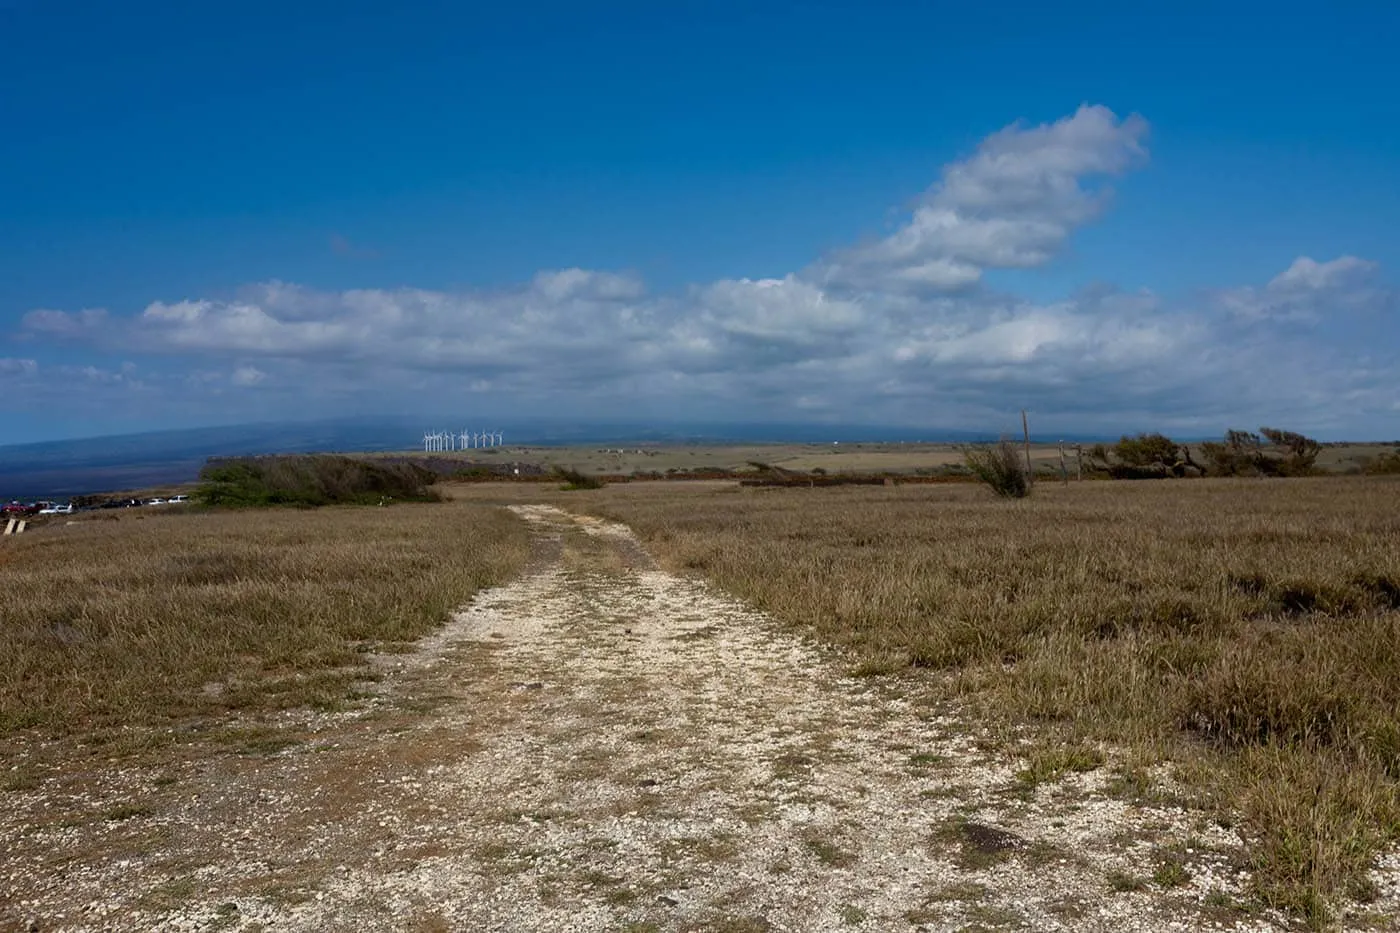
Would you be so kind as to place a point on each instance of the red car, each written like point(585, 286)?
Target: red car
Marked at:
point(18, 509)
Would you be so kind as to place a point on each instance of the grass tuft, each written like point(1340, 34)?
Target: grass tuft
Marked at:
point(1000, 467)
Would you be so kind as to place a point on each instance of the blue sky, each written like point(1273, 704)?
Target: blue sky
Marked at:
point(924, 214)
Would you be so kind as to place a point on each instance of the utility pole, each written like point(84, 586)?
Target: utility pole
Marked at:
point(1026, 432)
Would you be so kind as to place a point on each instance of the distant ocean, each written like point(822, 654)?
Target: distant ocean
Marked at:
point(58, 469)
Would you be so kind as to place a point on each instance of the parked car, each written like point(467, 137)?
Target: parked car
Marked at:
point(19, 509)
point(120, 503)
point(56, 509)
point(179, 500)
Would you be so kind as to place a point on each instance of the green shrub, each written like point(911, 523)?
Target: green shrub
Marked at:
point(312, 480)
point(1147, 450)
point(1384, 465)
point(999, 466)
point(573, 479)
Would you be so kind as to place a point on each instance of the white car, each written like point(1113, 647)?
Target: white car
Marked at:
point(57, 510)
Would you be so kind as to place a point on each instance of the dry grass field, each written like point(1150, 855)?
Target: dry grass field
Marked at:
point(1248, 631)
point(1244, 632)
point(141, 618)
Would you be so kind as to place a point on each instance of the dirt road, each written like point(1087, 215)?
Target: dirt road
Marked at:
point(605, 746)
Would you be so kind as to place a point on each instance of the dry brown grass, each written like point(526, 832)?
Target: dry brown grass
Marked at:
point(1249, 630)
point(141, 618)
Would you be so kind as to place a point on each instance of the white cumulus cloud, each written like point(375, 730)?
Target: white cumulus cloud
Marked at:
point(1011, 204)
point(1309, 291)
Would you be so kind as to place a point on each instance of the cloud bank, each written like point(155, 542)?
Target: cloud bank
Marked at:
point(904, 329)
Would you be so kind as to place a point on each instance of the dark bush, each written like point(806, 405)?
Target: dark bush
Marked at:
point(1244, 453)
point(1145, 456)
point(573, 479)
point(999, 466)
point(1387, 464)
point(312, 480)
point(1147, 450)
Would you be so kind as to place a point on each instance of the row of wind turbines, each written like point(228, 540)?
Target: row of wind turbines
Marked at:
point(467, 440)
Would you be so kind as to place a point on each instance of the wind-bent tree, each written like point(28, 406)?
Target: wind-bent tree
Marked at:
point(1243, 453)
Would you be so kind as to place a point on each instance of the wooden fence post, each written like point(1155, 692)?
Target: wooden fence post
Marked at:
point(1064, 470)
point(1026, 433)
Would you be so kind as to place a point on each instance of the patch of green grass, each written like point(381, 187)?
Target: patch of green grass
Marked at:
point(1050, 764)
point(169, 894)
point(851, 915)
point(504, 858)
point(20, 779)
point(920, 916)
point(1171, 871)
point(1123, 881)
point(827, 852)
point(990, 917)
point(597, 878)
point(718, 847)
point(127, 811)
point(257, 740)
point(959, 891)
point(792, 764)
point(620, 895)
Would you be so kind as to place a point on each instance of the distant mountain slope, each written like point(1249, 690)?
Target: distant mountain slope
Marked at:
point(55, 469)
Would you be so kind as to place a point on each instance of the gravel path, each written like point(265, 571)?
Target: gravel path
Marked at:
point(604, 746)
